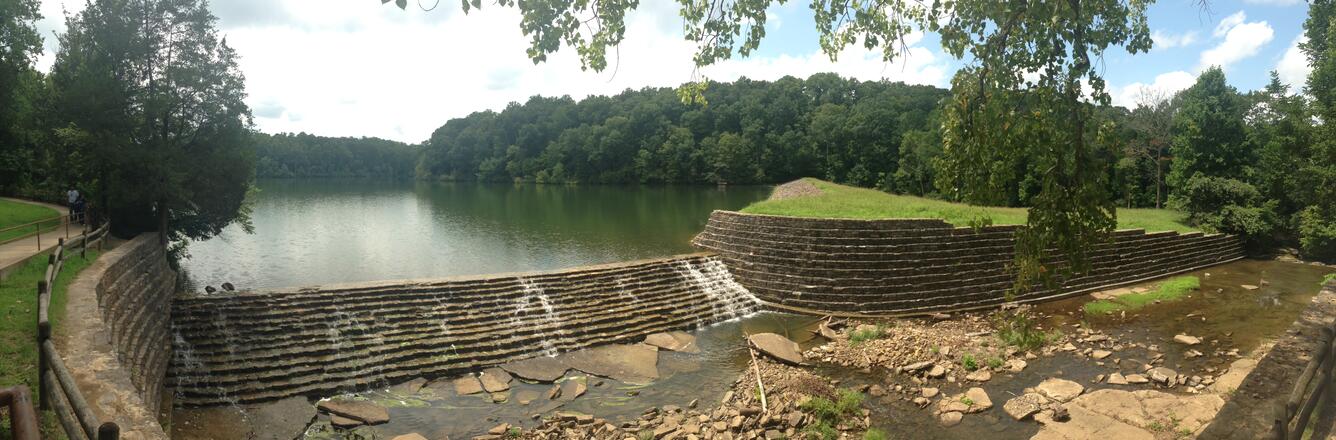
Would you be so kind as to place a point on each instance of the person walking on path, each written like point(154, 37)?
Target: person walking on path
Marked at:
point(72, 196)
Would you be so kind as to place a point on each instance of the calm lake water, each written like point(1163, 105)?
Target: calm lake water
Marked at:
point(321, 231)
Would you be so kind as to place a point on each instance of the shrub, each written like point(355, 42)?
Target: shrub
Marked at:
point(829, 413)
point(1218, 204)
point(1317, 234)
point(1017, 329)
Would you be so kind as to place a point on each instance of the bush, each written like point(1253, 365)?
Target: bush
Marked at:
point(969, 362)
point(1317, 234)
point(829, 413)
point(1231, 206)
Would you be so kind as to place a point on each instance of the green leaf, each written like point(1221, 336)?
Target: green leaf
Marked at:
point(402, 4)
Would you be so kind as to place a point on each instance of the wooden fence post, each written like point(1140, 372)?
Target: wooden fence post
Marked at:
point(108, 431)
point(43, 332)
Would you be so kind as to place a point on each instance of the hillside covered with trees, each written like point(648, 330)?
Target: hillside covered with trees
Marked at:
point(306, 155)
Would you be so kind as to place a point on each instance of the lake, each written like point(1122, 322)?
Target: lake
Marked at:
point(322, 231)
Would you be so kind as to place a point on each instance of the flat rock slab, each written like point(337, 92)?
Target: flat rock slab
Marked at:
point(467, 385)
point(366, 412)
point(633, 364)
point(539, 369)
point(1061, 390)
point(778, 347)
point(573, 388)
point(413, 436)
point(674, 341)
point(495, 380)
point(1111, 413)
point(280, 420)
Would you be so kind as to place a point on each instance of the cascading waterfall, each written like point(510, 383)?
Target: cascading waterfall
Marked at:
point(731, 300)
point(550, 316)
point(188, 372)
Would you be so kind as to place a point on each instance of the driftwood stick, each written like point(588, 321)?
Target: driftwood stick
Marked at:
point(756, 368)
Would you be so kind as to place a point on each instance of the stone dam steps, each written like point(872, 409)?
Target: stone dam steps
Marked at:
point(257, 391)
point(779, 276)
point(422, 361)
point(383, 332)
point(416, 296)
point(252, 347)
point(907, 253)
point(943, 273)
point(946, 299)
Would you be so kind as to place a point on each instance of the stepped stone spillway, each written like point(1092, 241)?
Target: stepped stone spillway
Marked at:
point(256, 346)
point(915, 266)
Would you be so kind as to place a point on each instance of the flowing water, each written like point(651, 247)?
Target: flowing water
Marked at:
point(321, 231)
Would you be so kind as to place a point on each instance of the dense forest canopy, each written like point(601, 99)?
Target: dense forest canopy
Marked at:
point(306, 155)
point(841, 129)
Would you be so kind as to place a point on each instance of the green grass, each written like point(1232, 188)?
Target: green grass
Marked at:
point(18, 320)
point(16, 213)
point(876, 434)
point(840, 201)
point(1169, 290)
point(861, 336)
point(829, 413)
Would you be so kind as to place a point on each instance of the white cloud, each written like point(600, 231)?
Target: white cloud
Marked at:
point(362, 69)
point(1165, 40)
point(1165, 83)
point(1229, 22)
point(1241, 40)
point(1293, 67)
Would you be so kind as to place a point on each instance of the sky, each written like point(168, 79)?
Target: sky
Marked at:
point(359, 68)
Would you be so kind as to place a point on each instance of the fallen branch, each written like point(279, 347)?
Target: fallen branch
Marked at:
point(756, 367)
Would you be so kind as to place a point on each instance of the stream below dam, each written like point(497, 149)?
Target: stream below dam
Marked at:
point(1232, 320)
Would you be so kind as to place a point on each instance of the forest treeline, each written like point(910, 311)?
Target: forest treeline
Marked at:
point(306, 155)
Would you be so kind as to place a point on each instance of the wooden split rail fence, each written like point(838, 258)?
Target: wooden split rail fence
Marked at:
point(56, 386)
point(1310, 390)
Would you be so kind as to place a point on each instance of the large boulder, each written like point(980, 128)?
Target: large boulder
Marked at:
point(778, 347)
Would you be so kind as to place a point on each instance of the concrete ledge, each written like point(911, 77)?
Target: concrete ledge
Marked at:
point(120, 385)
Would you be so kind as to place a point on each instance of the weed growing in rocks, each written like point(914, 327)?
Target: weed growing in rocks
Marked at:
point(867, 334)
point(969, 362)
point(995, 362)
point(876, 434)
point(830, 413)
point(1018, 329)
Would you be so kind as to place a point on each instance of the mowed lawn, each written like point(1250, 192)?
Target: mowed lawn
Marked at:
point(16, 213)
point(18, 321)
point(840, 201)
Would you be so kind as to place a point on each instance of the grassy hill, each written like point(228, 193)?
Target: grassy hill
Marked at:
point(839, 201)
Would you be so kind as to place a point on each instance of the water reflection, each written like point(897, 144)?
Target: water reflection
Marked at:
point(320, 231)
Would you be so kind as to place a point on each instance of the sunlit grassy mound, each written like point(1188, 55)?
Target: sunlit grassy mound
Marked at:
point(840, 201)
point(16, 213)
point(1172, 289)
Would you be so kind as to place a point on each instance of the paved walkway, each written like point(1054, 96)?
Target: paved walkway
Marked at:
point(14, 254)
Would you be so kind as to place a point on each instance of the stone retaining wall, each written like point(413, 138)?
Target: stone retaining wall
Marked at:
point(915, 266)
point(257, 346)
point(115, 335)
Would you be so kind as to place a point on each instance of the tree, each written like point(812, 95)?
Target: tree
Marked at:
point(1317, 175)
point(1153, 122)
point(1209, 136)
point(148, 89)
point(19, 46)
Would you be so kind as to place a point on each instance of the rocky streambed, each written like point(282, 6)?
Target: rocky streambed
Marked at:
point(1159, 372)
